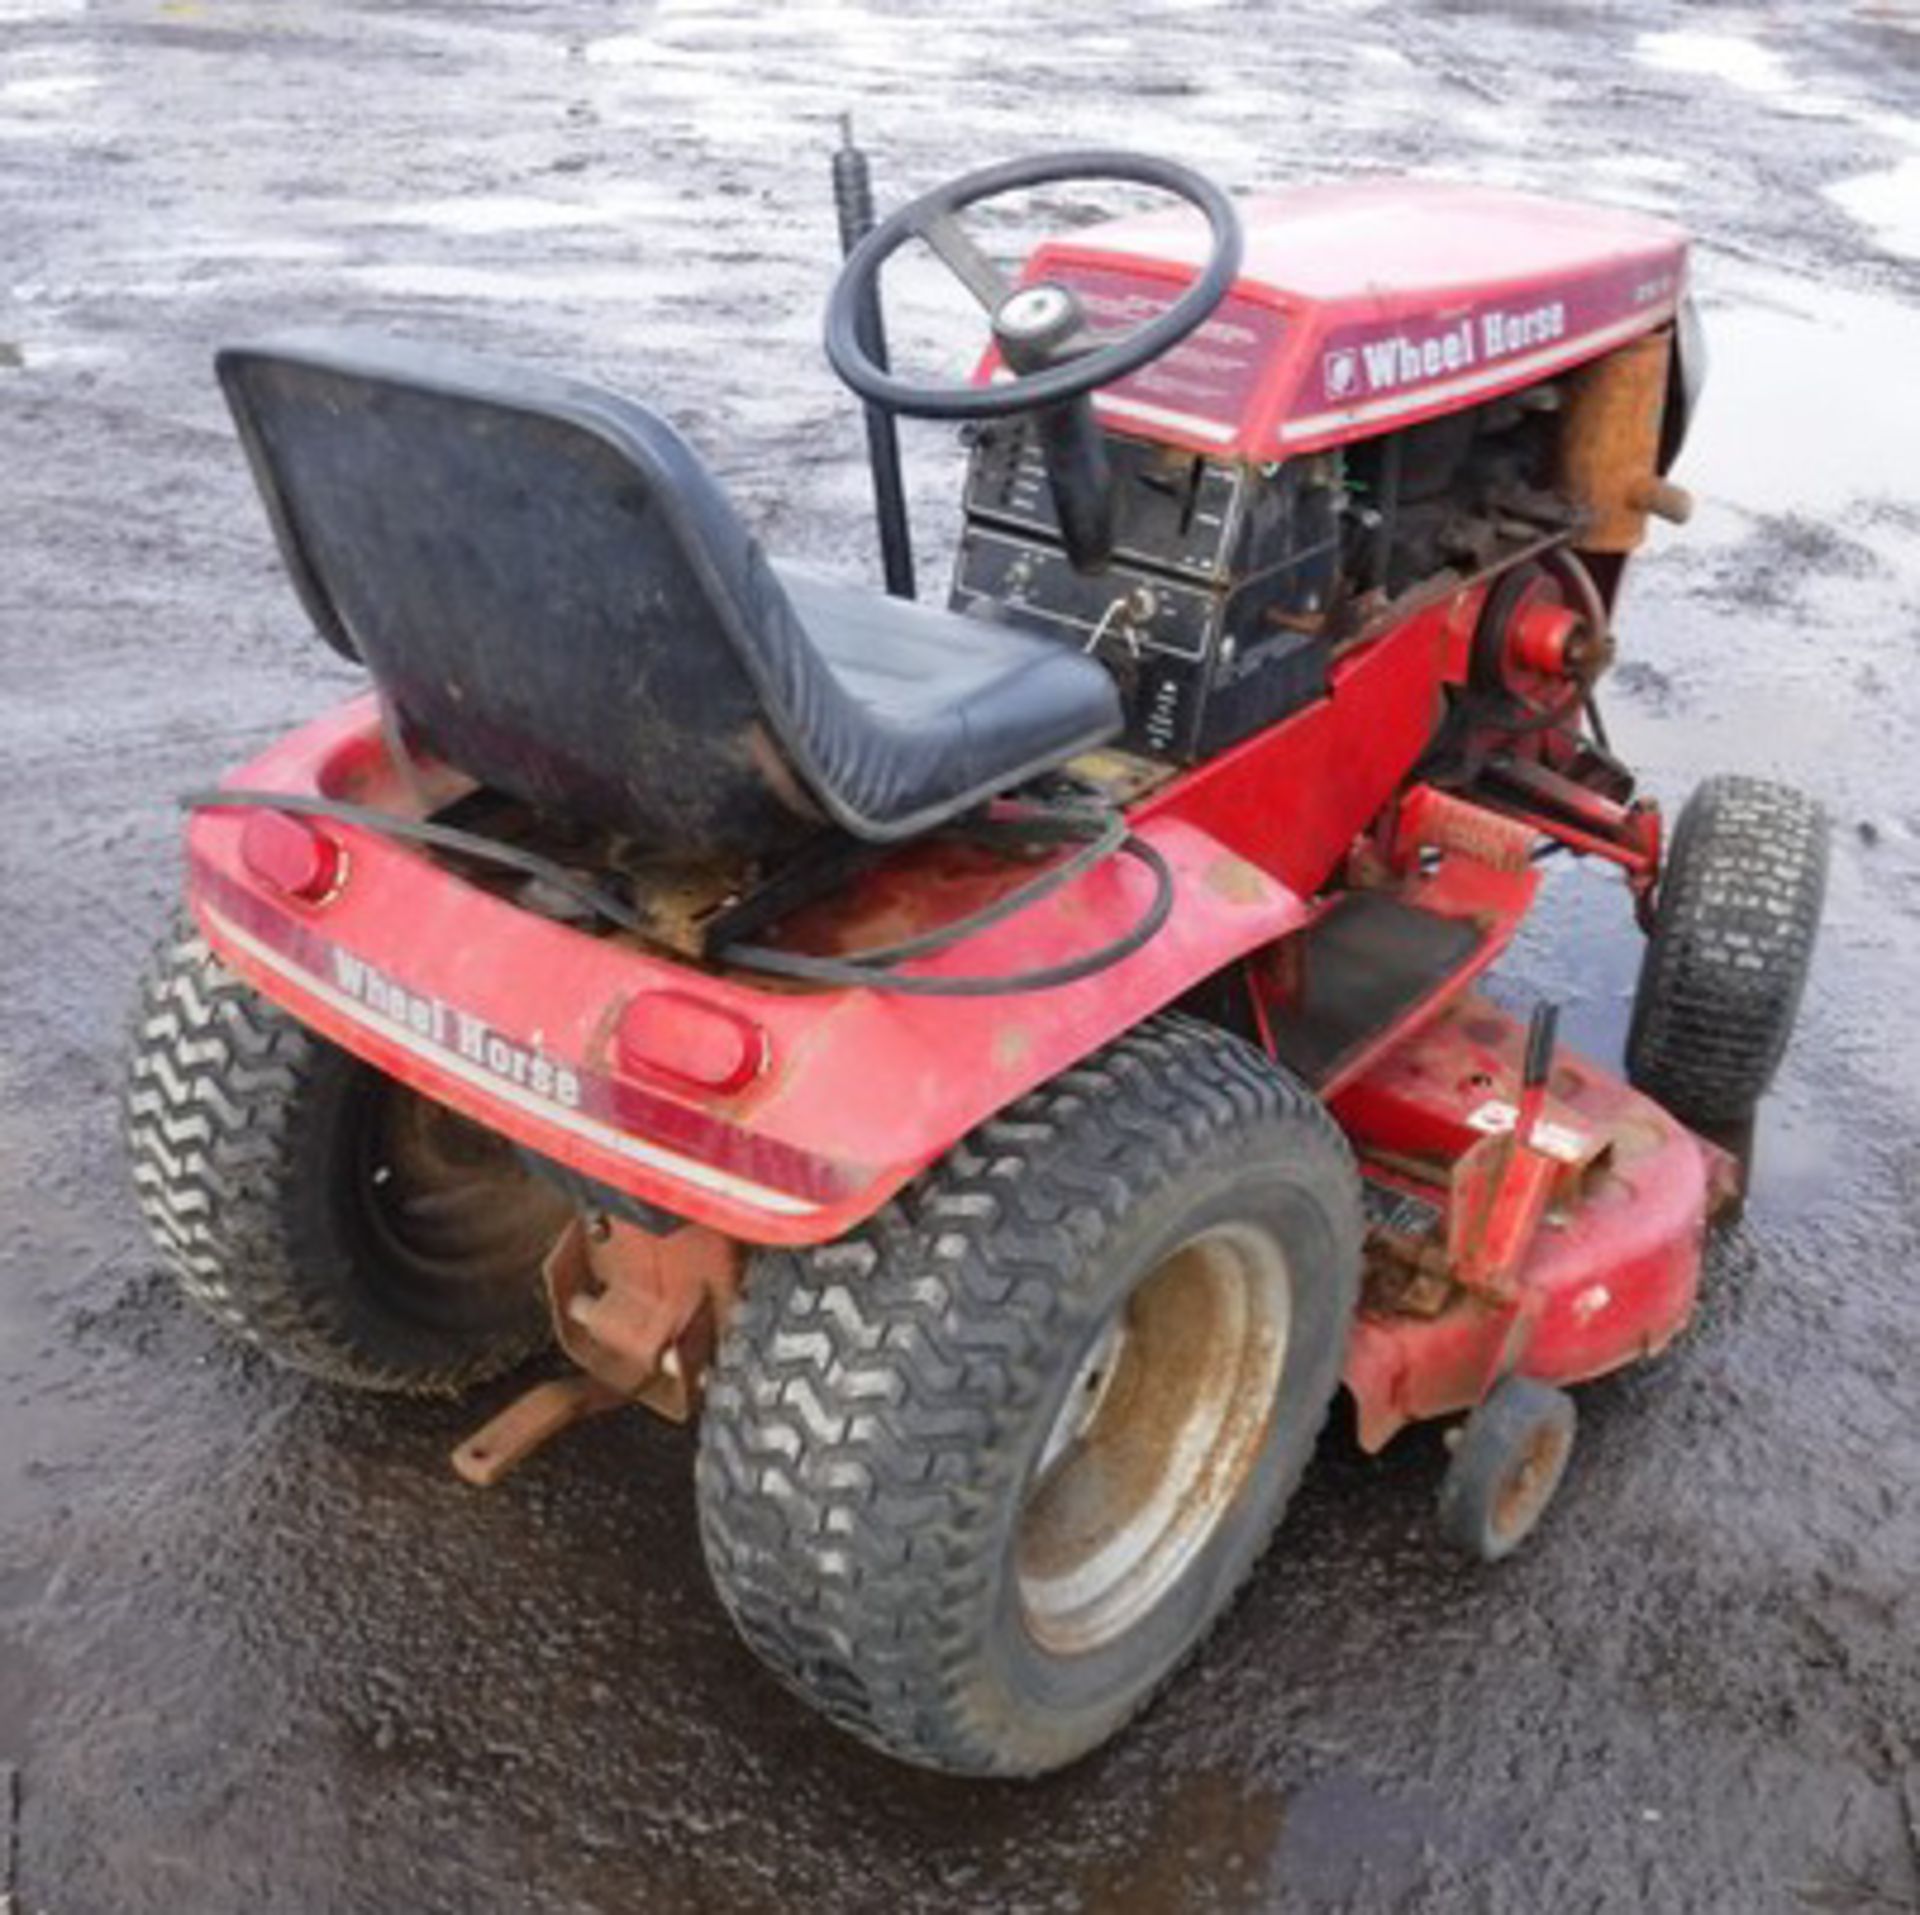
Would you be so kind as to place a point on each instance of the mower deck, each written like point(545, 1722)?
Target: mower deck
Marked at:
point(1609, 1269)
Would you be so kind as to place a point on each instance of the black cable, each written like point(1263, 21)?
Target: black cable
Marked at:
point(448, 837)
point(1104, 834)
point(856, 971)
point(1597, 725)
point(1109, 838)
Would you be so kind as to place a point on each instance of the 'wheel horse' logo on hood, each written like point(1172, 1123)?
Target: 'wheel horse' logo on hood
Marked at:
point(1406, 358)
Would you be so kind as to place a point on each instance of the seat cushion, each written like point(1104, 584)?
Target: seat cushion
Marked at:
point(949, 705)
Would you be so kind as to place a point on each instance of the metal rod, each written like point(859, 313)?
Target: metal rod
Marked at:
point(1387, 506)
point(1542, 1028)
point(853, 201)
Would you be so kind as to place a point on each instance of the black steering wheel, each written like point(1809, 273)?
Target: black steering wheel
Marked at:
point(1060, 363)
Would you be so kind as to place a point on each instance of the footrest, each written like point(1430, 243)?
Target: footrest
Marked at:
point(1355, 970)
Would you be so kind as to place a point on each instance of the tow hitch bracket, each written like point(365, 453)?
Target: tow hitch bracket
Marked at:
point(638, 1313)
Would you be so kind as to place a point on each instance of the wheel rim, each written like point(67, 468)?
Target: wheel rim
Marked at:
point(1525, 1489)
point(454, 1210)
point(1165, 1417)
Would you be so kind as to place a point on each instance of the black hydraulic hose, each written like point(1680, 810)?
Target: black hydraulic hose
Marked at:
point(859, 969)
point(1596, 724)
point(423, 831)
point(1099, 835)
point(1109, 837)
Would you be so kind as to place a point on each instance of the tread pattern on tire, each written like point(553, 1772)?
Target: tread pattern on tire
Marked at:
point(1733, 938)
point(853, 1457)
point(214, 1089)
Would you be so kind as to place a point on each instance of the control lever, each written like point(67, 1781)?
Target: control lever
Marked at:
point(1038, 327)
point(1536, 1068)
point(853, 201)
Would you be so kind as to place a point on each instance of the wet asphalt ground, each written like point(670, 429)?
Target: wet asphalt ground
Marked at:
point(260, 1651)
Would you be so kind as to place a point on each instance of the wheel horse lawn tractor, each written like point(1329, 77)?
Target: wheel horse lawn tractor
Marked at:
point(1002, 1068)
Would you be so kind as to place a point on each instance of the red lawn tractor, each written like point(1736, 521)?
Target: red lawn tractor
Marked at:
point(1001, 1067)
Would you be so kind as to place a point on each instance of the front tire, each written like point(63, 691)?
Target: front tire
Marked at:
point(975, 1479)
point(326, 1214)
point(1726, 966)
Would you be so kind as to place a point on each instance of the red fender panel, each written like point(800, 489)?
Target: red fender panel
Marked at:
point(774, 1114)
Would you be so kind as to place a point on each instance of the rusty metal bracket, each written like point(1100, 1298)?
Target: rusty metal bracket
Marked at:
point(638, 1313)
point(532, 1419)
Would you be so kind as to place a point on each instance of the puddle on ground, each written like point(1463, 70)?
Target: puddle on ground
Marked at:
point(1748, 64)
point(1887, 204)
point(1812, 406)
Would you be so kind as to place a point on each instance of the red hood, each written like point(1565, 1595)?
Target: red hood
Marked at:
point(1368, 305)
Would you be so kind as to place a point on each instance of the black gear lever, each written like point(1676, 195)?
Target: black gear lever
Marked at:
point(1042, 326)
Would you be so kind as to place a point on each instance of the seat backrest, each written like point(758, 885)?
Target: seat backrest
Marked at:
point(542, 577)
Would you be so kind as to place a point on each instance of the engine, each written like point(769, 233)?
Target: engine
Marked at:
point(1232, 583)
point(1410, 385)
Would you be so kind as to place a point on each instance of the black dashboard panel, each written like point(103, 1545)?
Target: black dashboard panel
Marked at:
point(1172, 508)
point(1206, 614)
point(1129, 604)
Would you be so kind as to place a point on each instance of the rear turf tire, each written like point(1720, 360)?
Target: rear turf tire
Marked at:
point(1725, 968)
point(318, 1209)
point(941, 1493)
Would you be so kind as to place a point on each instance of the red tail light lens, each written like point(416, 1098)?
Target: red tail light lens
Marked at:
point(292, 856)
point(686, 1041)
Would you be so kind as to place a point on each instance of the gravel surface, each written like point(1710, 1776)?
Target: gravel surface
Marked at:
point(259, 1650)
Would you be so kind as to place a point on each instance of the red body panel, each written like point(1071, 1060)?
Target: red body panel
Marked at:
point(1366, 306)
point(512, 1017)
point(1293, 807)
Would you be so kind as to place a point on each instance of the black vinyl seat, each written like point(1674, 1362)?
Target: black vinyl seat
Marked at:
point(558, 599)
point(985, 696)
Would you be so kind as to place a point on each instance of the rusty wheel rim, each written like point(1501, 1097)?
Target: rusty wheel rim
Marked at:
point(1165, 1417)
point(1524, 1490)
point(452, 1205)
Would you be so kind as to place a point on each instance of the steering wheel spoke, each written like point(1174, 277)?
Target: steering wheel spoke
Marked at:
point(967, 263)
point(933, 218)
